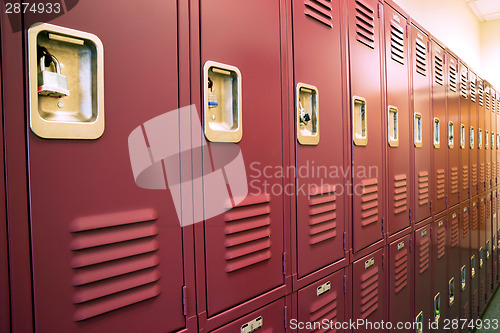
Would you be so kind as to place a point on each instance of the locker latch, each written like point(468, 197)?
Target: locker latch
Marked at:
point(451, 135)
point(437, 307)
point(437, 133)
point(479, 138)
point(487, 250)
point(481, 257)
point(471, 136)
point(393, 126)
point(473, 266)
point(420, 322)
point(359, 118)
point(417, 130)
point(463, 277)
point(451, 292)
point(307, 107)
point(462, 136)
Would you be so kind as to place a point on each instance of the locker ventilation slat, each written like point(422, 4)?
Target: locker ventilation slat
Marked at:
point(488, 170)
point(423, 188)
point(454, 231)
point(475, 303)
point(369, 202)
point(463, 84)
point(324, 309)
point(114, 261)
point(480, 92)
point(482, 214)
point(400, 194)
point(401, 270)
point(481, 172)
point(438, 70)
point(369, 291)
point(474, 219)
point(365, 24)
point(421, 52)
point(397, 43)
point(465, 177)
point(488, 98)
point(319, 10)
point(441, 241)
point(440, 180)
point(453, 78)
point(465, 226)
point(454, 180)
point(248, 233)
point(322, 215)
point(423, 254)
point(473, 91)
point(474, 175)
point(465, 310)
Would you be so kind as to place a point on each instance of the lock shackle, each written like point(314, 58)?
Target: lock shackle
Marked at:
point(54, 60)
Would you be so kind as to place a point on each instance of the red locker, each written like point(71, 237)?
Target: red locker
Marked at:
point(439, 260)
point(368, 287)
point(367, 121)
point(464, 136)
point(487, 246)
point(439, 132)
point(270, 318)
point(106, 254)
point(465, 277)
point(474, 257)
point(398, 116)
point(493, 135)
point(487, 133)
point(481, 129)
point(422, 123)
point(322, 302)
point(401, 291)
point(320, 207)
point(473, 135)
point(452, 300)
point(423, 276)
point(496, 118)
point(452, 129)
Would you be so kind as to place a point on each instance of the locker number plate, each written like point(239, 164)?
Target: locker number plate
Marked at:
point(369, 263)
point(323, 288)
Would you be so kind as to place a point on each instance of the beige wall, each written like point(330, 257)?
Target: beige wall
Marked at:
point(456, 26)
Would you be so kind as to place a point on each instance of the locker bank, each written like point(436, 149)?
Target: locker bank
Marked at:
point(242, 166)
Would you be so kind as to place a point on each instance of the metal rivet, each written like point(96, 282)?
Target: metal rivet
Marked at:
point(60, 104)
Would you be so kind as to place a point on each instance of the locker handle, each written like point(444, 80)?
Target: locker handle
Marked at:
point(437, 133)
point(481, 257)
point(359, 117)
point(463, 274)
point(451, 292)
point(462, 136)
point(487, 250)
point(492, 140)
point(479, 138)
point(471, 135)
point(393, 126)
point(451, 134)
point(307, 109)
point(487, 140)
point(420, 322)
point(473, 267)
point(417, 130)
point(437, 307)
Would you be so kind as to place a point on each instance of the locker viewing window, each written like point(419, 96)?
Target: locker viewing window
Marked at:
point(393, 126)
point(471, 135)
point(479, 138)
point(360, 132)
point(462, 136)
point(451, 134)
point(417, 130)
point(437, 134)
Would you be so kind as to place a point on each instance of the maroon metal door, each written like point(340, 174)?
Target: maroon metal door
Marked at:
point(423, 277)
point(246, 243)
point(270, 318)
point(401, 291)
point(322, 301)
point(483, 216)
point(474, 257)
point(367, 121)
point(481, 130)
point(487, 134)
point(439, 261)
point(452, 300)
point(439, 133)
point(108, 255)
point(398, 133)
point(452, 129)
point(320, 197)
point(473, 135)
point(369, 298)
point(487, 246)
point(493, 135)
point(422, 123)
point(464, 133)
point(465, 277)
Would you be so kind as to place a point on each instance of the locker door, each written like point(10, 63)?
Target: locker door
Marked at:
point(322, 300)
point(474, 257)
point(367, 121)
point(452, 300)
point(423, 277)
point(473, 135)
point(439, 260)
point(107, 255)
point(464, 134)
point(483, 215)
point(465, 278)
point(4, 261)
point(488, 245)
point(369, 298)
point(246, 243)
point(452, 129)
point(422, 123)
point(493, 140)
point(320, 207)
point(487, 133)
point(481, 131)
point(398, 124)
point(401, 291)
point(439, 133)
point(496, 118)
point(269, 318)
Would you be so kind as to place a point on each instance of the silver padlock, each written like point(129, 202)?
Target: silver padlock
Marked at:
point(52, 84)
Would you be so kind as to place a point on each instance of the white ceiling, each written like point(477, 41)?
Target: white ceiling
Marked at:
point(485, 10)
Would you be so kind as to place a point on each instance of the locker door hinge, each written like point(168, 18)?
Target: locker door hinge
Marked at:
point(383, 225)
point(184, 300)
point(345, 240)
point(410, 246)
point(407, 31)
point(379, 10)
point(468, 191)
point(446, 201)
point(383, 260)
point(430, 205)
point(345, 284)
point(284, 263)
point(409, 213)
point(285, 316)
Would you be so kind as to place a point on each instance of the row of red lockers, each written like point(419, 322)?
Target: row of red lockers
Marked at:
point(427, 214)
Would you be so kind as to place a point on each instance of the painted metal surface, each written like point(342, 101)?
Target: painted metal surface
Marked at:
point(439, 263)
point(439, 128)
point(488, 246)
point(464, 136)
point(453, 278)
point(401, 287)
point(465, 277)
point(397, 107)
point(365, 37)
point(423, 275)
point(452, 128)
point(320, 222)
point(487, 135)
point(421, 75)
point(481, 132)
point(473, 135)
point(474, 257)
